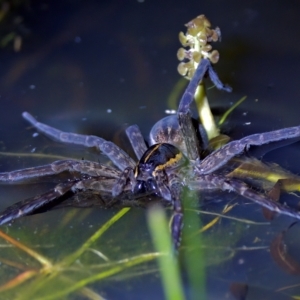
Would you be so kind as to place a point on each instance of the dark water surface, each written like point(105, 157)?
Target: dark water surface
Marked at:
point(94, 67)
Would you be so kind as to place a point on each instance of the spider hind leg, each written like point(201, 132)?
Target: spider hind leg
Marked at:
point(31, 205)
point(246, 191)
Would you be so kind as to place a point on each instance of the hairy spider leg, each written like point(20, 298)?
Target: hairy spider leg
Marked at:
point(127, 174)
point(136, 140)
point(183, 113)
point(73, 166)
point(30, 205)
point(177, 216)
point(189, 135)
point(139, 147)
point(119, 157)
point(216, 80)
point(162, 184)
point(188, 96)
point(173, 191)
point(221, 156)
point(214, 181)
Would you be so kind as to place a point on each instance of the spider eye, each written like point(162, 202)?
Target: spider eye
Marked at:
point(145, 187)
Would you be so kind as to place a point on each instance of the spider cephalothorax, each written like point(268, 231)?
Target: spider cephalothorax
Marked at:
point(151, 172)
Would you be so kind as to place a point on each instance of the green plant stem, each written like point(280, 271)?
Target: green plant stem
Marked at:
point(205, 114)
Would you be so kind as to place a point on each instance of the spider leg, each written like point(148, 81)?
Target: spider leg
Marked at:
point(177, 216)
point(189, 135)
point(161, 181)
point(188, 96)
point(136, 140)
point(216, 80)
point(119, 157)
point(183, 114)
point(212, 181)
point(28, 206)
point(221, 156)
point(81, 167)
point(243, 189)
point(100, 184)
point(126, 175)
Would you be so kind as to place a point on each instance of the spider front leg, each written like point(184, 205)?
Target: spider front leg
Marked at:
point(127, 175)
point(221, 156)
point(189, 134)
point(184, 118)
point(119, 157)
point(80, 167)
point(139, 146)
point(136, 140)
point(203, 68)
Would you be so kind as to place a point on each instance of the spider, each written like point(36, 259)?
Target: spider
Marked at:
point(162, 169)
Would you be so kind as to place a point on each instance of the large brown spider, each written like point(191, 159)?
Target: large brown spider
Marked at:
point(162, 169)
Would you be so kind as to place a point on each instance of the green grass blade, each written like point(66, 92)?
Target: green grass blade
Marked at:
point(128, 263)
point(193, 253)
point(230, 110)
point(168, 263)
point(88, 243)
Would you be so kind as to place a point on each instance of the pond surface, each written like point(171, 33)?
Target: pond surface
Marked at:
point(94, 67)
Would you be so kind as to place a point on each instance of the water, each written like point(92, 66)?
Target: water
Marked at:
point(96, 67)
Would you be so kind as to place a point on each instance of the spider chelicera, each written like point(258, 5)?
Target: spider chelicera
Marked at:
point(162, 169)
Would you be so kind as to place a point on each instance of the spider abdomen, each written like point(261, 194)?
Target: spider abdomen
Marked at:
point(167, 130)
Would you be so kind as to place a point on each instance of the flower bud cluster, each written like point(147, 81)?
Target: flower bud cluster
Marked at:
point(198, 37)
